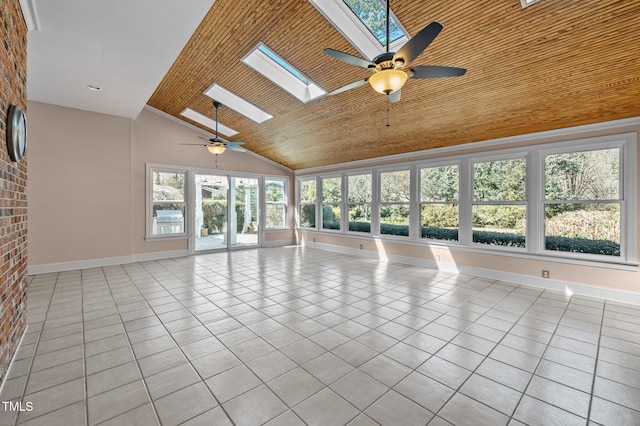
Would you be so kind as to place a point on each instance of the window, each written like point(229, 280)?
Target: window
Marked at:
point(275, 68)
point(236, 103)
point(499, 207)
point(167, 203)
point(359, 202)
point(307, 205)
point(395, 198)
point(573, 200)
point(363, 23)
point(582, 203)
point(373, 14)
point(331, 200)
point(439, 202)
point(275, 203)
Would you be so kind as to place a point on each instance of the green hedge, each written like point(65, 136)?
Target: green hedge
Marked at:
point(582, 245)
point(574, 245)
point(499, 238)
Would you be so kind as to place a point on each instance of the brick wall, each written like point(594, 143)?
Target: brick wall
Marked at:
point(13, 185)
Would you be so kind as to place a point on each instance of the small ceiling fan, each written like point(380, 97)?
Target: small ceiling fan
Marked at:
point(390, 70)
point(218, 145)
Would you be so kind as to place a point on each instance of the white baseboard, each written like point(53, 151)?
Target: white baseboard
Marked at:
point(98, 263)
point(278, 243)
point(528, 280)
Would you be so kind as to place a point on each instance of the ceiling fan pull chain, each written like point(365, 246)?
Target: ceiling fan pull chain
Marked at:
point(388, 122)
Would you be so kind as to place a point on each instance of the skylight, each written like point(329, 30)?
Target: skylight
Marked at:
point(208, 122)
point(236, 103)
point(374, 16)
point(526, 3)
point(363, 23)
point(271, 65)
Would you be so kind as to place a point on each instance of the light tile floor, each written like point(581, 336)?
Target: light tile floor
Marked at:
point(293, 336)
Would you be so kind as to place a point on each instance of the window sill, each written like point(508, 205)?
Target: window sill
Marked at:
point(151, 238)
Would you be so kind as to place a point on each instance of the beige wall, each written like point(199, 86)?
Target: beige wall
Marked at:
point(619, 279)
point(86, 187)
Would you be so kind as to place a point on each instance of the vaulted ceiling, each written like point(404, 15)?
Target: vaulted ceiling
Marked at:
point(554, 64)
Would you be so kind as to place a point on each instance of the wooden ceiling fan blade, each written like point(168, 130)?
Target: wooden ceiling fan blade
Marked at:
point(435, 71)
point(418, 43)
point(349, 86)
point(348, 58)
point(195, 144)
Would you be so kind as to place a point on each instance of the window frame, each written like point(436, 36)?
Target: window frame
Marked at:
point(151, 169)
point(299, 202)
point(420, 202)
point(284, 202)
point(517, 155)
point(410, 204)
point(348, 203)
point(322, 203)
point(626, 196)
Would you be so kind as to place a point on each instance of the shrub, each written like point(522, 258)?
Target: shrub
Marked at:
point(360, 226)
point(435, 233)
point(499, 238)
point(585, 224)
point(582, 245)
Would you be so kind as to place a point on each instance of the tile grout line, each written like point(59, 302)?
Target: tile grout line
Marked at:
point(84, 353)
point(533, 374)
point(35, 350)
point(144, 384)
point(595, 366)
point(176, 343)
point(457, 390)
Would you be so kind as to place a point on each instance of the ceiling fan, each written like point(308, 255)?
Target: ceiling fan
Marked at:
point(218, 145)
point(389, 68)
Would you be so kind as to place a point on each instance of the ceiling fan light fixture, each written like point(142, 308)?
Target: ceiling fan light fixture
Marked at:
point(388, 81)
point(216, 148)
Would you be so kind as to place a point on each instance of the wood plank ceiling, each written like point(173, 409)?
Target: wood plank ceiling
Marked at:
point(554, 64)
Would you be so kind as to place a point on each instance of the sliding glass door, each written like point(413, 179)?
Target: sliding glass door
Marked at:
point(244, 215)
point(211, 212)
point(226, 212)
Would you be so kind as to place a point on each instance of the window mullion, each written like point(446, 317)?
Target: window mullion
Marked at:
point(465, 205)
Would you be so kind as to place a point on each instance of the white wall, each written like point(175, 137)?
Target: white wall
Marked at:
point(86, 187)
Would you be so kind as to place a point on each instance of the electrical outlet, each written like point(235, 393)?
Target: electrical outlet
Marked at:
point(545, 273)
point(361, 246)
point(437, 258)
point(314, 239)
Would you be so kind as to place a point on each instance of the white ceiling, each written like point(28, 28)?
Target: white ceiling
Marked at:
point(125, 47)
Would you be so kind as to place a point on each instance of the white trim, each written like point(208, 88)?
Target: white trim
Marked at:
point(531, 137)
point(279, 75)
point(526, 3)
point(236, 103)
point(527, 280)
point(210, 135)
point(30, 14)
point(278, 243)
point(99, 263)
